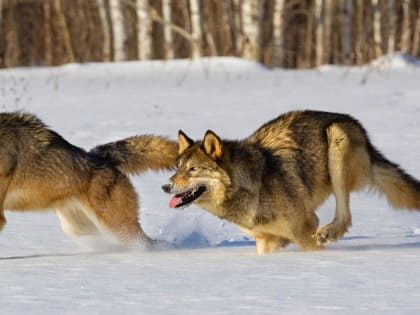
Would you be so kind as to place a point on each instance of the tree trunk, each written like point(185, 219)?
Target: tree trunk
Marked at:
point(405, 26)
point(277, 58)
point(48, 57)
point(307, 56)
point(391, 27)
point(167, 32)
point(64, 31)
point(195, 29)
point(11, 38)
point(144, 43)
point(250, 24)
point(327, 31)
point(360, 38)
point(319, 53)
point(239, 39)
point(118, 30)
point(106, 44)
point(416, 38)
point(346, 39)
point(377, 38)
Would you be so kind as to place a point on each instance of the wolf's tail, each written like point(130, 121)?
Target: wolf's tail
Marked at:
point(139, 154)
point(401, 189)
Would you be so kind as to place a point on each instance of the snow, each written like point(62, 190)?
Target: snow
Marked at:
point(211, 267)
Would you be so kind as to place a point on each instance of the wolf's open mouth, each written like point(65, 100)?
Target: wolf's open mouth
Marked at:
point(186, 197)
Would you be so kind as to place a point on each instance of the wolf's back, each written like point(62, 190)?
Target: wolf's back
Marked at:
point(400, 188)
point(139, 154)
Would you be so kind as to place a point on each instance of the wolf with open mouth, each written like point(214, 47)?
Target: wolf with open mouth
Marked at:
point(271, 183)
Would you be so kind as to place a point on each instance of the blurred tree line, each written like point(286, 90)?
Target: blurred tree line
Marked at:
point(279, 33)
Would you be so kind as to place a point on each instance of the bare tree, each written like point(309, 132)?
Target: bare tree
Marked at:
point(327, 30)
point(106, 43)
point(48, 57)
point(195, 29)
point(416, 37)
point(167, 31)
point(118, 30)
point(144, 43)
point(307, 54)
point(405, 26)
point(1, 13)
point(391, 27)
point(208, 28)
point(239, 35)
point(64, 31)
point(346, 41)
point(278, 34)
point(377, 38)
point(250, 26)
point(360, 37)
point(319, 53)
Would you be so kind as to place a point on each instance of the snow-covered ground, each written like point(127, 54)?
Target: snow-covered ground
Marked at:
point(213, 269)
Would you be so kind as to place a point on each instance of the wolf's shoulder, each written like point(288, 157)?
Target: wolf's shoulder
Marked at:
point(21, 119)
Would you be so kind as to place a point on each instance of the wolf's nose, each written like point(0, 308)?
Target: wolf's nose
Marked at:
point(167, 188)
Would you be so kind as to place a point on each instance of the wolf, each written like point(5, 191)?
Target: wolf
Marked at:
point(271, 183)
point(89, 191)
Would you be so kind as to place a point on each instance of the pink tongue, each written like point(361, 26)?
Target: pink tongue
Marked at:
point(174, 202)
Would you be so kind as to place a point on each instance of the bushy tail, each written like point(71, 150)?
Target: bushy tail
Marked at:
point(401, 189)
point(139, 154)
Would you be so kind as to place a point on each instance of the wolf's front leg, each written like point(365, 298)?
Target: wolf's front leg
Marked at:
point(267, 244)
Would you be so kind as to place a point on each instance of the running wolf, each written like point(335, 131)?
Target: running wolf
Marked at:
point(271, 183)
point(89, 191)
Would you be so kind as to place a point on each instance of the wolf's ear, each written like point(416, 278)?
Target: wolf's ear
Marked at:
point(212, 145)
point(183, 142)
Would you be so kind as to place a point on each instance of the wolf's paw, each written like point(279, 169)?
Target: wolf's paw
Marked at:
point(331, 232)
point(322, 237)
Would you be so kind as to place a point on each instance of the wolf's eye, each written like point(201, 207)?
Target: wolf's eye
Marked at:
point(192, 169)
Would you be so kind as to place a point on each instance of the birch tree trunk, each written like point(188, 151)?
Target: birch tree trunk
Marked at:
point(416, 38)
point(250, 26)
point(195, 29)
point(405, 26)
point(239, 39)
point(118, 30)
point(346, 37)
point(278, 34)
point(377, 38)
point(106, 44)
point(391, 27)
point(167, 32)
point(144, 44)
point(319, 53)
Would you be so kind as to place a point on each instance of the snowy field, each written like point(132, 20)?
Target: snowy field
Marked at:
point(213, 268)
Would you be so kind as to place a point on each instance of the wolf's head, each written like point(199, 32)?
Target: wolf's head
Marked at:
point(200, 176)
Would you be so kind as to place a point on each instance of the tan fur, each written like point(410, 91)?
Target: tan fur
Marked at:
point(39, 170)
point(271, 183)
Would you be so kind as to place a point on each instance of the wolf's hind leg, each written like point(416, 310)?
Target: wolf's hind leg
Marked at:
point(4, 183)
point(114, 209)
point(74, 222)
point(338, 162)
point(3, 220)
